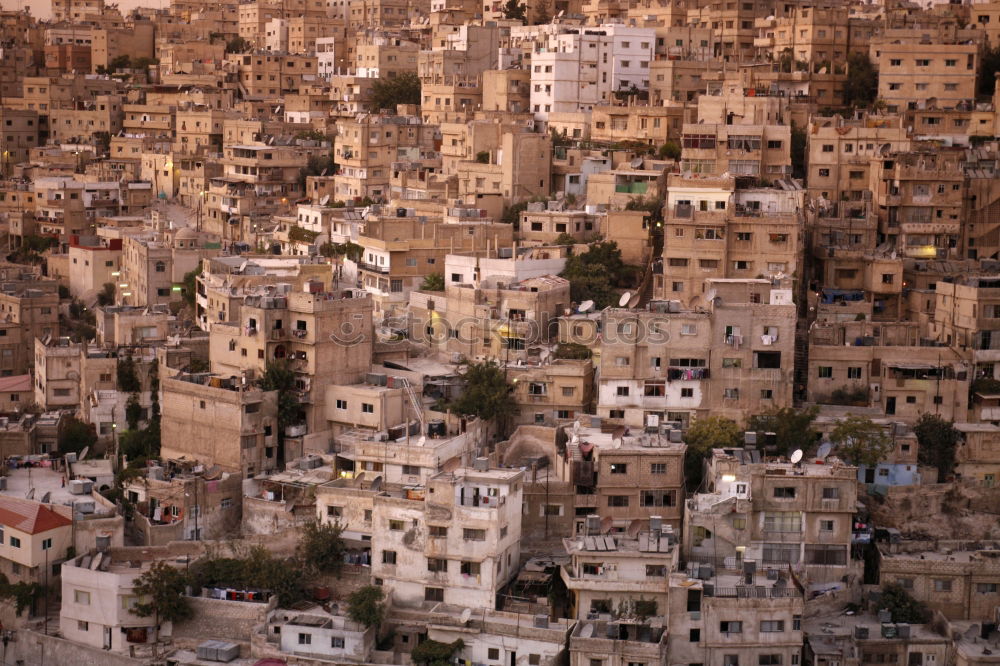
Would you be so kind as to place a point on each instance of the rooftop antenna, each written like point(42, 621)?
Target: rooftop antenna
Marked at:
point(796, 456)
point(626, 297)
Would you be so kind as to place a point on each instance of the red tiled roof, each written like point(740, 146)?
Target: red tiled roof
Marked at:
point(15, 384)
point(29, 516)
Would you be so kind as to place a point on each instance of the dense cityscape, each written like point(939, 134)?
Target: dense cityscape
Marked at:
point(523, 333)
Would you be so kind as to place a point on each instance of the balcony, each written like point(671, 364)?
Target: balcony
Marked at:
point(373, 268)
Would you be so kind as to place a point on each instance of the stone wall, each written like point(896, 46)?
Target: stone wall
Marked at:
point(215, 619)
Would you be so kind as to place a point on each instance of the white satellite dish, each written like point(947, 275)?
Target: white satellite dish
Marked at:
point(421, 441)
point(576, 427)
point(324, 200)
point(626, 297)
point(796, 455)
point(587, 631)
point(466, 614)
point(83, 454)
point(824, 450)
point(586, 306)
point(30, 494)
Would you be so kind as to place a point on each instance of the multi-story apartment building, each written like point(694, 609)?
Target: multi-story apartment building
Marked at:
point(810, 34)
point(398, 252)
point(153, 265)
point(31, 311)
point(98, 611)
point(759, 151)
point(912, 71)
point(919, 199)
point(961, 583)
point(966, 316)
point(776, 515)
point(887, 363)
point(715, 227)
point(841, 151)
point(457, 540)
point(554, 391)
point(220, 421)
point(732, 24)
point(622, 574)
point(977, 456)
point(325, 338)
point(579, 69)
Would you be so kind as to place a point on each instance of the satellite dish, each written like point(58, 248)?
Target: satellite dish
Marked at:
point(466, 614)
point(30, 494)
point(376, 484)
point(544, 355)
point(824, 450)
point(324, 200)
point(45, 497)
point(626, 297)
point(634, 528)
point(606, 524)
point(796, 455)
point(576, 427)
point(587, 631)
point(83, 454)
point(586, 306)
point(421, 441)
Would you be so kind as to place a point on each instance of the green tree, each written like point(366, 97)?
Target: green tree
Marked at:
point(76, 435)
point(903, 607)
point(328, 250)
point(792, 427)
point(133, 411)
point(387, 93)
point(316, 165)
point(670, 150)
point(433, 282)
point(487, 393)
point(512, 214)
point(861, 441)
point(127, 375)
point(938, 439)
point(106, 296)
point(594, 274)
point(573, 350)
point(121, 62)
point(515, 11)
point(278, 376)
point(237, 45)
point(436, 653)
point(321, 548)
point(161, 592)
point(564, 239)
point(710, 432)
point(861, 86)
point(366, 606)
point(190, 286)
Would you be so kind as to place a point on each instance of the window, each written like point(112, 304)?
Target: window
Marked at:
point(825, 372)
point(619, 468)
point(435, 564)
point(831, 493)
point(731, 627)
point(388, 557)
point(336, 642)
point(905, 583)
point(470, 568)
point(473, 534)
point(81, 597)
point(986, 588)
point(854, 372)
point(796, 623)
point(397, 525)
point(15, 542)
point(942, 585)
point(367, 408)
point(493, 654)
point(782, 521)
point(827, 555)
point(618, 500)
point(769, 660)
point(305, 639)
point(437, 531)
point(341, 404)
point(656, 571)
point(433, 594)
point(784, 492)
point(622, 391)
point(826, 525)
point(82, 626)
point(657, 498)
point(658, 468)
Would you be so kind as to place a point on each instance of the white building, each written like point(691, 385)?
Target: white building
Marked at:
point(580, 68)
point(319, 634)
point(97, 598)
point(456, 541)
